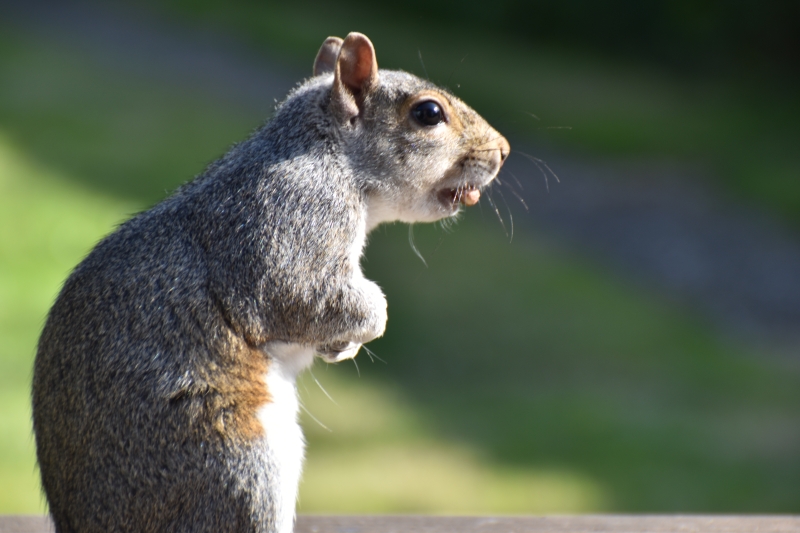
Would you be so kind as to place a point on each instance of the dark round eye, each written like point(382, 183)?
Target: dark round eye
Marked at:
point(428, 113)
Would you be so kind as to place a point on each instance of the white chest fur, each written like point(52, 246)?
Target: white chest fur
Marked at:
point(279, 420)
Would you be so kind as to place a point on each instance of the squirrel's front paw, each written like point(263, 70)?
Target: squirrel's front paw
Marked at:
point(338, 351)
point(376, 322)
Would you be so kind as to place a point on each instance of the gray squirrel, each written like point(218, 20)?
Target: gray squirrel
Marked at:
point(164, 383)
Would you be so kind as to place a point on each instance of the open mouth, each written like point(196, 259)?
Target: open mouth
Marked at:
point(464, 194)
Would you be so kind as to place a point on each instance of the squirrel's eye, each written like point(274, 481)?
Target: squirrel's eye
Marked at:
point(428, 113)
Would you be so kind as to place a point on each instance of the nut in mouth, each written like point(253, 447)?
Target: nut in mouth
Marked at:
point(467, 194)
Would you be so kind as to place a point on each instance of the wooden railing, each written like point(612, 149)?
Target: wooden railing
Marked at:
point(488, 524)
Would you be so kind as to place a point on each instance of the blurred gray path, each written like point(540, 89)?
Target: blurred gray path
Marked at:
point(121, 37)
point(654, 222)
point(661, 225)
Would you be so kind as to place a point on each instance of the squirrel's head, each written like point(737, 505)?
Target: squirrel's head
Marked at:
point(418, 152)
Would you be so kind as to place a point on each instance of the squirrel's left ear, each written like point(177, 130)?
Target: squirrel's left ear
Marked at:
point(325, 62)
point(355, 75)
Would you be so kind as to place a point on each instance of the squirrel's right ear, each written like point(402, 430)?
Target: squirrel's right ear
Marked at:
point(355, 75)
point(325, 63)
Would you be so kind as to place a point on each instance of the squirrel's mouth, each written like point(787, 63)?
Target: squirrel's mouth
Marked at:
point(467, 194)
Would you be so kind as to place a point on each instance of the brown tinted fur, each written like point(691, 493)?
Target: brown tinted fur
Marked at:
point(237, 391)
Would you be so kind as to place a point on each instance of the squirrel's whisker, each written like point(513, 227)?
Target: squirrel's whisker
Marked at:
point(314, 418)
point(321, 387)
point(497, 212)
point(541, 163)
point(373, 354)
point(510, 216)
point(519, 197)
point(414, 246)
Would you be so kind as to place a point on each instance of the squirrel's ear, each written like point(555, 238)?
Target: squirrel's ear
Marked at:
point(356, 74)
point(325, 63)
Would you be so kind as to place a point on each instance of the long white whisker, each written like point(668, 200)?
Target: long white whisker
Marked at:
point(322, 388)
point(369, 354)
point(314, 418)
point(539, 166)
point(521, 200)
point(497, 212)
point(455, 69)
point(539, 162)
point(373, 354)
point(521, 188)
point(414, 246)
point(551, 171)
point(510, 216)
point(419, 52)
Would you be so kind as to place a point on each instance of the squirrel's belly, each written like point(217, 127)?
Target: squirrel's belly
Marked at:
point(282, 433)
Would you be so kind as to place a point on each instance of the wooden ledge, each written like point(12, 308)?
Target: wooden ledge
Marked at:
point(548, 524)
point(488, 524)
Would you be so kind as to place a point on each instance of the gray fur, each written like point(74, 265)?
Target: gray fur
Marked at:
point(144, 376)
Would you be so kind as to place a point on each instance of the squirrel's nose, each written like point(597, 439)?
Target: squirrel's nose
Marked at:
point(504, 147)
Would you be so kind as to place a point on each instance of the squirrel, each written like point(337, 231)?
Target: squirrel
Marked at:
point(164, 394)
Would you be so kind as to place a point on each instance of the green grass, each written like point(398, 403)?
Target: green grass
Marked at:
point(111, 131)
point(542, 361)
point(518, 379)
point(46, 226)
point(379, 452)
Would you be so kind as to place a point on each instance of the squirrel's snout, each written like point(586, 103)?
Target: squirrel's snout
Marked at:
point(504, 147)
point(500, 149)
point(497, 146)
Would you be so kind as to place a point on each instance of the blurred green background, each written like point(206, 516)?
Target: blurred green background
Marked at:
point(518, 375)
